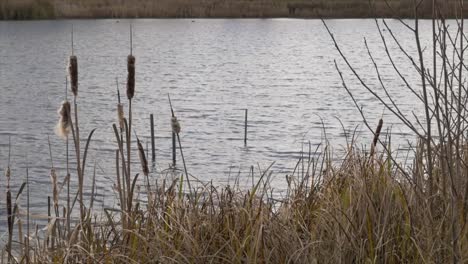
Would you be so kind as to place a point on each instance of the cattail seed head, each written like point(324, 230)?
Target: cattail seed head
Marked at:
point(377, 132)
point(120, 115)
point(175, 125)
point(130, 76)
point(64, 125)
point(73, 72)
point(143, 161)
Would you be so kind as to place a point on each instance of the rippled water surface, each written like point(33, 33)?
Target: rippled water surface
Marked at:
point(281, 70)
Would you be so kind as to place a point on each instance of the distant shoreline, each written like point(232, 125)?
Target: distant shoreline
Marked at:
point(305, 9)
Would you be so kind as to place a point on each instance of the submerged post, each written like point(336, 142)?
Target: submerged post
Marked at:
point(245, 127)
point(153, 151)
point(174, 159)
point(49, 215)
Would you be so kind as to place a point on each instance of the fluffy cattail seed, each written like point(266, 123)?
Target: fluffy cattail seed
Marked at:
point(120, 115)
point(63, 127)
point(130, 76)
point(175, 125)
point(73, 72)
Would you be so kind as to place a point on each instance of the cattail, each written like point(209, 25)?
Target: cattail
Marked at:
point(376, 137)
point(377, 132)
point(53, 179)
point(130, 76)
point(120, 115)
point(175, 125)
point(73, 72)
point(64, 125)
point(144, 162)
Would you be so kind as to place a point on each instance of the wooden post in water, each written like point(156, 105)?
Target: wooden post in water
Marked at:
point(153, 151)
point(245, 128)
point(49, 215)
point(174, 158)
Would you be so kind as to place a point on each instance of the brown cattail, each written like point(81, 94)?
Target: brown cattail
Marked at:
point(377, 132)
point(175, 125)
point(130, 76)
point(144, 162)
point(53, 179)
point(64, 125)
point(120, 115)
point(376, 137)
point(73, 72)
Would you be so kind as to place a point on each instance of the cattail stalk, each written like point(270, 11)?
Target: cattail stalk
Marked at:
point(130, 95)
point(122, 125)
point(176, 130)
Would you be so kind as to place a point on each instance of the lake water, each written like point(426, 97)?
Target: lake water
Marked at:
point(281, 70)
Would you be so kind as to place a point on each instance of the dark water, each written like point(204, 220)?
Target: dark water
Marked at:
point(281, 70)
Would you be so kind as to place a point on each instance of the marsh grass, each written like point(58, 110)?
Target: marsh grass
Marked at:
point(362, 210)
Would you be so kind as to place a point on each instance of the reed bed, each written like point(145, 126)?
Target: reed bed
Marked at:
point(40, 9)
point(367, 208)
point(361, 210)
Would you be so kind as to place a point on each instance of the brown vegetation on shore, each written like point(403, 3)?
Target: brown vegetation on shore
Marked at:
point(42, 9)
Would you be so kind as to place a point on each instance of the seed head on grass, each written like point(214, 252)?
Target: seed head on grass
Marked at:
point(64, 125)
point(73, 72)
point(130, 76)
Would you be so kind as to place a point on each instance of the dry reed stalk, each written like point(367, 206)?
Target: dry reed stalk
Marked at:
point(73, 72)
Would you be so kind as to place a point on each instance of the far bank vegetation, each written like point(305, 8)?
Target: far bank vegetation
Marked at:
point(49, 9)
